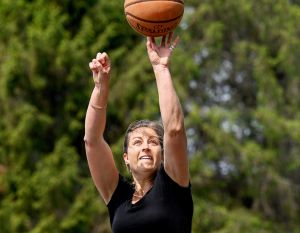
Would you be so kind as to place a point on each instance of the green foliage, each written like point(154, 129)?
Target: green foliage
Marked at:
point(243, 138)
point(237, 75)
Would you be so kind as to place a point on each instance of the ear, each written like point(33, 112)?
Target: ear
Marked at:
point(125, 157)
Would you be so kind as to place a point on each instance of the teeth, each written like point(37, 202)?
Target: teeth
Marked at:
point(145, 157)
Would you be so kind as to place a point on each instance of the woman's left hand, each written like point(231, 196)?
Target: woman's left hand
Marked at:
point(159, 55)
point(100, 67)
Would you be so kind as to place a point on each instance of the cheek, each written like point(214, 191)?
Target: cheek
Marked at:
point(159, 152)
point(132, 150)
point(132, 153)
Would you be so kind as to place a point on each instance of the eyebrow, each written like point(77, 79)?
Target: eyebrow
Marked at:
point(150, 137)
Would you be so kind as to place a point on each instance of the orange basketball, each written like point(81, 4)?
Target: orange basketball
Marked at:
point(153, 17)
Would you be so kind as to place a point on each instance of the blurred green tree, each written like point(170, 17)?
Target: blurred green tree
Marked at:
point(236, 74)
point(243, 114)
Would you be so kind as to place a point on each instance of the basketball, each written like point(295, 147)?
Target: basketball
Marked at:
point(153, 17)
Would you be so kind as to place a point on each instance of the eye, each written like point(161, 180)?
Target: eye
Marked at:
point(137, 142)
point(154, 142)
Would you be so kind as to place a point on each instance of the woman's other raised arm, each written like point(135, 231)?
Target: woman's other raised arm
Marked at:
point(175, 141)
point(99, 155)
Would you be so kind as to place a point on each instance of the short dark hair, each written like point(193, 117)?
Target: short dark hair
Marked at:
point(155, 125)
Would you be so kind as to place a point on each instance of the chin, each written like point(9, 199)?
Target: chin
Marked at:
point(149, 167)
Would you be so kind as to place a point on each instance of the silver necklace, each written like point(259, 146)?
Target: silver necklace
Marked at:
point(143, 192)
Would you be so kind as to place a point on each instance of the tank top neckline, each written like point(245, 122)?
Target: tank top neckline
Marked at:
point(141, 201)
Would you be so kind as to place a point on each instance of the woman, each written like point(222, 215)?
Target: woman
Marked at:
point(160, 198)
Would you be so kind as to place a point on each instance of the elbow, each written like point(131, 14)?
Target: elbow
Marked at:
point(173, 129)
point(174, 122)
point(87, 141)
point(90, 141)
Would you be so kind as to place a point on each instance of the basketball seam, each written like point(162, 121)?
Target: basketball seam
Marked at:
point(139, 1)
point(152, 21)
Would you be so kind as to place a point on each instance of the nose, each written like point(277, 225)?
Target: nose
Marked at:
point(145, 146)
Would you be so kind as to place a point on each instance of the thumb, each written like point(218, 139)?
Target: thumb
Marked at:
point(94, 69)
point(148, 44)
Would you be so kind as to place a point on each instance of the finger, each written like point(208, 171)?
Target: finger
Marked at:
point(148, 40)
point(163, 41)
point(93, 65)
point(153, 40)
point(151, 43)
point(175, 42)
point(105, 59)
point(101, 58)
point(170, 36)
point(96, 63)
point(98, 56)
point(97, 66)
point(148, 43)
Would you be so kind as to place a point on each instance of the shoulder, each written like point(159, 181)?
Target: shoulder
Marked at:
point(123, 192)
point(163, 176)
point(168, 189)
point(178, 174)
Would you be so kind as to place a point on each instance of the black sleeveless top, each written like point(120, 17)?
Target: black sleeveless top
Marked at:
point(166, 208)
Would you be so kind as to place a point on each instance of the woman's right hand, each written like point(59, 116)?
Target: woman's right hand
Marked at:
point(160, 55)
point(100, 67)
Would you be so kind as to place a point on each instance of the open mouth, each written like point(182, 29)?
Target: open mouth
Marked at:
point(146, 157)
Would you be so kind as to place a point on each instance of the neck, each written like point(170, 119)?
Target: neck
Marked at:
point(140, 191)
point(142, 180)
point(143, 185)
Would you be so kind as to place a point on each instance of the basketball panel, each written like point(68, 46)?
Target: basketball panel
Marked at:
point(131, 2)
point(152, 29)
point(158, 11)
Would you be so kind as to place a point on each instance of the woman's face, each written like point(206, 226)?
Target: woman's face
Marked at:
point(144, 152)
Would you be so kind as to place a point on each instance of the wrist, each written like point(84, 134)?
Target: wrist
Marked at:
point(160, 68)
point(98, 107)
point(103, 81)
point(101, 78)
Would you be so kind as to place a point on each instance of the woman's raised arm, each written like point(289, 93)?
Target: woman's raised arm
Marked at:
point(175, 142)
point(99, 155)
